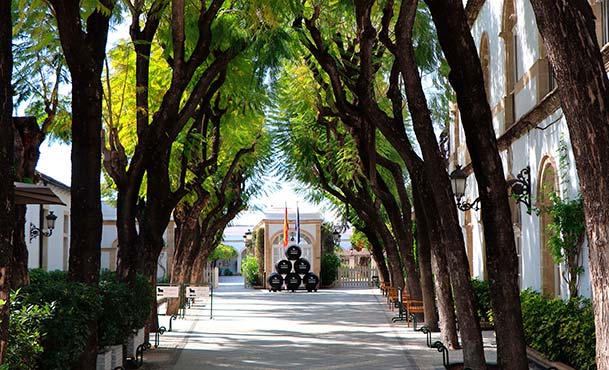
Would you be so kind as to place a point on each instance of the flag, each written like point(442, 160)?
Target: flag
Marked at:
point(286, 227)
point(297, 224)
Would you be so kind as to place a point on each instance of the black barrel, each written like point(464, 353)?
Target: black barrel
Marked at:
point(302, 266)
point(283, 267)
point(311, 281)
point(292, 281)
point(293, 252)
point(275, 281)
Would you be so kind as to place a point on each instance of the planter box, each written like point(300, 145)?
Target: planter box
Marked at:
point(117, 355)
point(104, 361)
point(134, 341)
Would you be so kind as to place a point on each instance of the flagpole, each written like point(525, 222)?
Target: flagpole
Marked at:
point(297, 224)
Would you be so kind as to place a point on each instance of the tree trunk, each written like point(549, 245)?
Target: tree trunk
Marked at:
point(377, 254)
point(424, 254)
point(85, 52)
point(467, 80)
point(7, 188)
point(185, 251)
point(28, 138)
point(568, 31)
point(440, 265)
point(20, 275)
point(401, 224)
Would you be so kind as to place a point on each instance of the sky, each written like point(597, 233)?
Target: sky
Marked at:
point(55, 162)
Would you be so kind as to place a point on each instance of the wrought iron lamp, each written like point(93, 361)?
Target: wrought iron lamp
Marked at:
point(36, 231)
point(247, 236)
point(458, 182)
point(520, 187)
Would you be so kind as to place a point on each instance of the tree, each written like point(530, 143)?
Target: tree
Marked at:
point(39, 72)
point(223, 252)
point(7, 188)
point(569, 36)
point(359, 96)
point(84, 49)
point(566, 230)
point(467, 80)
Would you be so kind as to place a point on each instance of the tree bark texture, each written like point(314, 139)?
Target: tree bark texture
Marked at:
point(28, 138)
point(85, 52)
point(424, 255)
point(7, 188)
point(568, 32)
point(467, 80)
point(421, 172)
point(440, 265)
point(400, 219)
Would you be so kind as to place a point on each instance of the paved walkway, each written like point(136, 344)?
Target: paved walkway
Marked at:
point(256, 329)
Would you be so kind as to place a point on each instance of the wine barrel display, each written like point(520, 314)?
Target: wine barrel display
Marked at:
point(311, 281)
point(284, 267)
point(292, 281)
point(275, 281)
point(293, 252)
point(302, 266)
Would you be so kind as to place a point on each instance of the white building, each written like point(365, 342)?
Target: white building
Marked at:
point(52, 252)
point(531, 132)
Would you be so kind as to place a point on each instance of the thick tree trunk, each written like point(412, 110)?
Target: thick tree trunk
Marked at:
point(185, 251)
point(467, 80)
point(401, 224)
point(568, 32)
point(85, 52)
point(7, 188)
point(28, 138)
point(440, 265)
point(86, 217)
point(20, 275)
point(424, 254)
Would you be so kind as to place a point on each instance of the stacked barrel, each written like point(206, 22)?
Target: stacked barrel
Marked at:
point(293, 272)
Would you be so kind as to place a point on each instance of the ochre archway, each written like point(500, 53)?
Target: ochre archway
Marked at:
point(548, 184)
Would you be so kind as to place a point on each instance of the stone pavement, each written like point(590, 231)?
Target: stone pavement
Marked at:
point(260, 330)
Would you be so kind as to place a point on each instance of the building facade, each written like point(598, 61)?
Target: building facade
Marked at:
point(532, 134)
point(310, 237)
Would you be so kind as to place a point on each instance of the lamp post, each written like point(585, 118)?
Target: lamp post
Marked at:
point(519, 187)
point(458, 182)
point(36, 231)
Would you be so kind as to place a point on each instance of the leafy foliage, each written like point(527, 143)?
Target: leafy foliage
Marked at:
point(359, 241)
point(117, 309)
point(223, 252)
point(561, 330)
point(483, 299)
point(249, 270)
point(26, 332)
point(125, 308)
point(566, 230)
point(76, 305)
point(330, 264)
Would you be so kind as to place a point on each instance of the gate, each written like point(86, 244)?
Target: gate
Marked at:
point(360, 276)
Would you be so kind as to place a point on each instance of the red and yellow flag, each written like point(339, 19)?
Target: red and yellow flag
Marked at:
point(286, 227)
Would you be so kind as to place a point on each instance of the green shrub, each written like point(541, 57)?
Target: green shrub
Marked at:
point(249, 269)
point(76, 305)
point(118, 310)
point(124, 308)
point(330, 263)
point(561, 330)
point(482, 294)
point(228, 272)
point(26, 332)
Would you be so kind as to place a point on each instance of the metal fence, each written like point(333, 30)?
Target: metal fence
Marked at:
point(360, 276)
